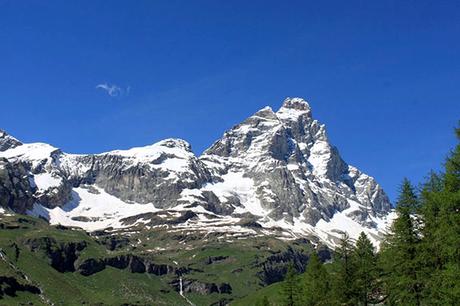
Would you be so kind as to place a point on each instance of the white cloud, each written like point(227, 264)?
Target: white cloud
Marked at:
point(113, 90)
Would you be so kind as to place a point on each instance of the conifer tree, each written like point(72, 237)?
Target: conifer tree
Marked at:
point(452, 176)
point(440, 214)
point(366, 270)
point(290, 288)
point(448, 230)
point(407, 200)
point(430, 248)
point(316, 283)
point(400, 258)
point(344, 278)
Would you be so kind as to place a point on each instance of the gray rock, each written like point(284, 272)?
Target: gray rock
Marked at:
point(16, 192)
point(275, 150)
point(139, 182)
point(7, 141)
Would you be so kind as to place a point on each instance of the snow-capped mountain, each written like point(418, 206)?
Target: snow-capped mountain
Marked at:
point(273, 174)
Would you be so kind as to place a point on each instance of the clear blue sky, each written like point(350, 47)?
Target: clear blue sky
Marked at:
point(384, 76)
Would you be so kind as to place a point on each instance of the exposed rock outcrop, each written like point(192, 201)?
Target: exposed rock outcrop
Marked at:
point(195, 286)
point(62, 255)
point(16, 191)
point(275, 267)
point(7, 141)
point(135, 264)
point(10, 286)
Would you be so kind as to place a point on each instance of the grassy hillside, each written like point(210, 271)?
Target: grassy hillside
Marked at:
point(110, 286)
point(71, 267)
point(272, 292)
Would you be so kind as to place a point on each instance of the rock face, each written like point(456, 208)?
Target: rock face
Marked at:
point(274, 268)
point(294, 169)
point(195, 286)
point(275, 170)
point(133, 263)
point(153, 174)
point(9, 286)
point(62, 256)
point(7, 141)
point(16, 191)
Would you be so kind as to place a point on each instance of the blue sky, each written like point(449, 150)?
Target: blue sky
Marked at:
point(384, 76)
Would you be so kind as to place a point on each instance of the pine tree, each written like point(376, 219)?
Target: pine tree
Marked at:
point(366, 270)
point(290, 288)
point(316, 283)
point(439, 248)
point(452, 176)
point(343, 281)
point(400, 258)
point(407, 200)
point(431, 245)
point(448, 231)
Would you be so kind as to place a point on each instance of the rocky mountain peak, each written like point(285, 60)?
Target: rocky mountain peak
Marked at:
point(7, 141)
point(175, 143)
point(265, 112)
point(296, 103)
point(295, 112)
point(289, 151)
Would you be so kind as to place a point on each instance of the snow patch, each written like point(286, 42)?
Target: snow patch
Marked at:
point(92, 210)
point(45, 181)
point(235, 184)
point(320, 154)
point(29, 152)
point(171, 154)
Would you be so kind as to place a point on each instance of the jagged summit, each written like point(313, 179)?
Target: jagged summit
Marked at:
point(296, 103)
point(175, 142)
point(276, 169)
point(7, 141)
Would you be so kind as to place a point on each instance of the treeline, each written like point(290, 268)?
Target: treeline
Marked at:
point(418, 262)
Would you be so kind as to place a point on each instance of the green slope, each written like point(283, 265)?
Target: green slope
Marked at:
point(31, 247)
point(272, 292)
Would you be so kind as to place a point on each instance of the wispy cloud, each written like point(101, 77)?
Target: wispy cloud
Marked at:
point(114, 90)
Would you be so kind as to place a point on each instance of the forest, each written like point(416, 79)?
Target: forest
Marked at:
point(418, 263)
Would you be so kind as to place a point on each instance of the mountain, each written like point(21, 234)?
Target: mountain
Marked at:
point(275, 174)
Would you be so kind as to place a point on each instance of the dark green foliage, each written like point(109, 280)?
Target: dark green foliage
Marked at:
point(316, 284)
point(343, 279)
point(366, 273)
point(290, 288)
point(355, 273)
point(423, 253)
point(443, 234)
point(400, 253)
point(430, 245)
point(407, 200)
point(452, 176)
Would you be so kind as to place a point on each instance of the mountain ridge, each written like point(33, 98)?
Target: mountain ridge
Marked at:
point(275, 173)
